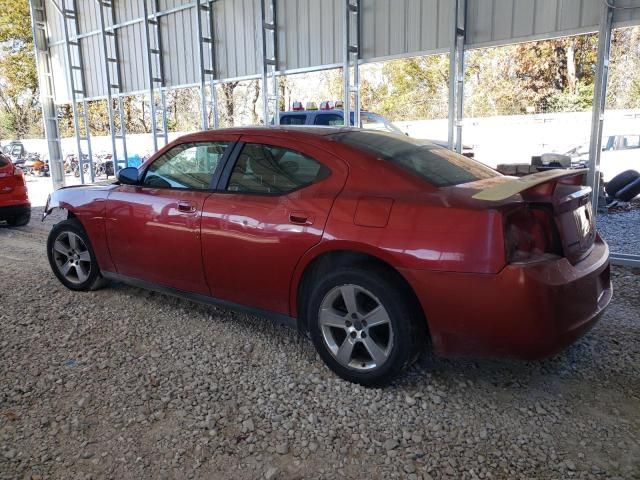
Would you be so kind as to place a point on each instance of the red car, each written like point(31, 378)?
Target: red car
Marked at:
point(15, 208)
point(371, 242)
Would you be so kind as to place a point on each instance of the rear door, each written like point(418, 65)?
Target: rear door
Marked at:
point(153, 229)
point(271, 206)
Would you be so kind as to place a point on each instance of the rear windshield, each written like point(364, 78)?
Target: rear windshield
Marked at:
point(298, 119)
point(437, 165)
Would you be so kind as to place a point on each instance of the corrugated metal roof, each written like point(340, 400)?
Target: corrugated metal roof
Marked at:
point(310, 33)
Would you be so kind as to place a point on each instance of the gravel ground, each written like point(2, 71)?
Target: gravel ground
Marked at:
point(621, 229)
point(122, 383)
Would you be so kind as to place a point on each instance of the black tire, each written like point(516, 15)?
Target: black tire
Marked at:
point(94, 279)
point(629, 191)
point(20, 220)
point(620, 181)
point(406, 323)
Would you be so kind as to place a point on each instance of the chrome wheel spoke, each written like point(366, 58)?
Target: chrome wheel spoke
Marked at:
point(60, 247)
point(345, 351)
point(84, 256)
point(82, 273)
point(330, 318)
point(376, 317)
point(349, 296)
point(73, 241)
point(378, 355)
point(65, 268)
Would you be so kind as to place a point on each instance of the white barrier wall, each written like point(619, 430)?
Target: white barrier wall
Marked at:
point(515, 138)
point(503, 139)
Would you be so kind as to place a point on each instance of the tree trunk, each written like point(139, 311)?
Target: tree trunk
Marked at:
point(572, 79)
point(254, 102)
point(227, 102)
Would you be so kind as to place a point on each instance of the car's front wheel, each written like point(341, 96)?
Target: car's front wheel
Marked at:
point(364, 326)
point(71, 257)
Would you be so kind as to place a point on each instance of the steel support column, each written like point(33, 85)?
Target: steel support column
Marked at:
point(47, 91)
point(113, 84)
point(456, 76)
point(77, 86)
point(270, 61)
point(599, 100)
point(351, 66)
point(155, 71)
point(207, 54)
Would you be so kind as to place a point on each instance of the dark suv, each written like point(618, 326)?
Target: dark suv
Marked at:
point(335, 118)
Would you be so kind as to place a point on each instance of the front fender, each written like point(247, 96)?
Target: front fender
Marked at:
point(87, 204)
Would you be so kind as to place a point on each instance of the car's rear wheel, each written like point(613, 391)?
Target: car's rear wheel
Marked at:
point(19, 220)
point(71, 257)
point(364, 327)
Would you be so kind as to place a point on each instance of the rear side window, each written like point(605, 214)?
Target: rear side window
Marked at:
point(329, 119)
point(4, 161)
point(630, 141)
point(186, 166)
point(437, 165)
point(293, 119)
point(265, 169)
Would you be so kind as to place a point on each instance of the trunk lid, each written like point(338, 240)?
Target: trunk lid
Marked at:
point(561, 190)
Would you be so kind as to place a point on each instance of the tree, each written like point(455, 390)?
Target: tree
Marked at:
point(19, 111)
point(228, 104)
point(254, 102)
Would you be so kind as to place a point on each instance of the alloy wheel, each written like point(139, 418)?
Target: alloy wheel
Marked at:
point(355, 327)
point(72, 257)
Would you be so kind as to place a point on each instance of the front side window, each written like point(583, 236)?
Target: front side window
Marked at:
point(329, 119)
point(187, 166)
point(293, 119)
point(435, 164)
point(265, 169)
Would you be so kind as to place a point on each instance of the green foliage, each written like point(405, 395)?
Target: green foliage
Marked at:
point(579, 100)
point(15, 24)
point(19, 111)
point(409, 88)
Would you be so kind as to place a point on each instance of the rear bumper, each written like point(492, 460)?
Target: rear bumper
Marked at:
point(525, 311)
point(10, 211)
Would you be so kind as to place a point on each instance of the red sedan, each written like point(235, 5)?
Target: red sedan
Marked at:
point(371, 242)
point(15, 208)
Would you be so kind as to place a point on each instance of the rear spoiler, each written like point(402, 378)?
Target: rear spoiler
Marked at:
point(536, 184)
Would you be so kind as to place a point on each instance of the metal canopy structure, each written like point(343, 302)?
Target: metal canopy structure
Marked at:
point(107, 49)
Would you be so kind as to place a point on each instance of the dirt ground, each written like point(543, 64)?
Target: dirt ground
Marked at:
point(122, 383)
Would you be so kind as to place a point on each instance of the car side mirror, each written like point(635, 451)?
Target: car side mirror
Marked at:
point(128, 176)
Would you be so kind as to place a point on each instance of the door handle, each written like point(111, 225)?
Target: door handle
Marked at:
point(186, 207)
point(300, 218)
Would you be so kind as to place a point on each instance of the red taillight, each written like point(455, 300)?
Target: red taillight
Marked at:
point(530, 235)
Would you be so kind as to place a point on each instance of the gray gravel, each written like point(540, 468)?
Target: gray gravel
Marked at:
point(621, 229)
point(122, 383)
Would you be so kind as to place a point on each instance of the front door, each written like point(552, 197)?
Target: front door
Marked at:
point(153, 229)
point(271, 207)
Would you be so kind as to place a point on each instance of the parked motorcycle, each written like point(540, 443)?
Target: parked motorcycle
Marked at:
point(34, 165)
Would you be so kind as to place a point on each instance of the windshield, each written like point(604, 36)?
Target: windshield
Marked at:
point(437, 165)
point(373, 121)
